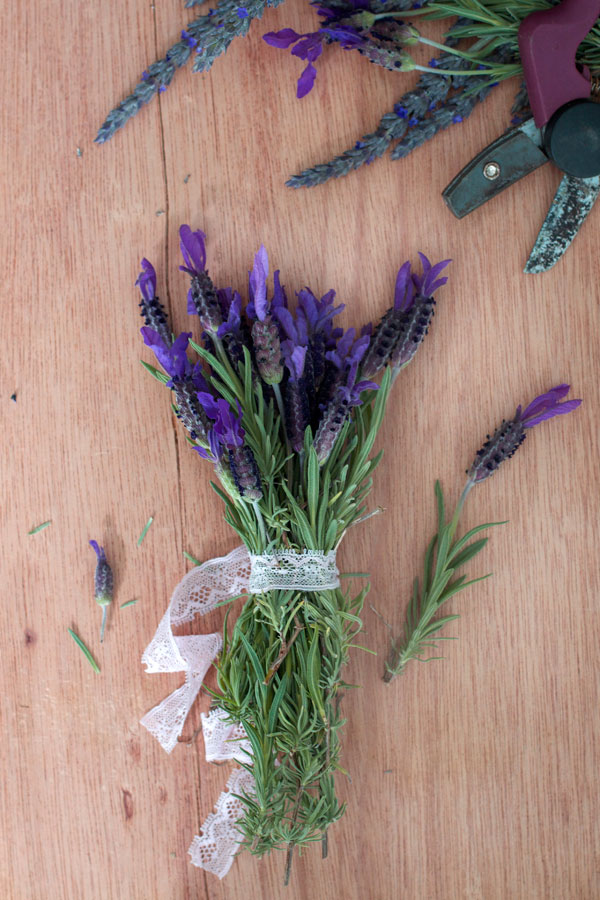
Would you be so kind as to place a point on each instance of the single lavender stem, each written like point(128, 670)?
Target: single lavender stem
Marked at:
point(103, 625)
point(280, 406)
point(400, 656)
point(261, 523)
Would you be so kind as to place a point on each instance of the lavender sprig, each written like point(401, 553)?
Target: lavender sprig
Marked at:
point(423, 104)
point(208, 37)
point(445, 556)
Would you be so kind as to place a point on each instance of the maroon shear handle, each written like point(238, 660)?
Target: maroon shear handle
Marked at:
point(548, 41)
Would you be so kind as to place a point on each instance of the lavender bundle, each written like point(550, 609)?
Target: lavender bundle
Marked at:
point(281, 401)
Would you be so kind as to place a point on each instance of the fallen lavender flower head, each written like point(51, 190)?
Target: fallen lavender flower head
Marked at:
point(103, 583)
point(507, 439)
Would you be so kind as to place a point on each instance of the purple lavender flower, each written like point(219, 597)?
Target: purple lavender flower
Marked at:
point(228, 432)
point(173, 356)
point(317, 315)
point(103, 583)
point(310, 46)
point(403, 327)
point(510, 435)
point(297, 407)
point(418, 311)
point(265, 333)
point(153, 311)
point(202, 297)
point(339, 408)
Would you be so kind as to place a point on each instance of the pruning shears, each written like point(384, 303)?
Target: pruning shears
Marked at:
point(564, 129)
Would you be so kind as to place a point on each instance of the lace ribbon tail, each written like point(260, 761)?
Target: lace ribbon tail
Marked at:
point(166, 720)
point(215, 847)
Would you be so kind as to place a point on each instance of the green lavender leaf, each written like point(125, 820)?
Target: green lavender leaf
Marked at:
point(129, 603)
point(145, 530)
point(444, 555)
point(41, 527)
point(85, 651)
point(156, 373)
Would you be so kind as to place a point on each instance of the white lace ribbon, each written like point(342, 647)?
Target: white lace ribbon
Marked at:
point(199, 592)
point(311, 570)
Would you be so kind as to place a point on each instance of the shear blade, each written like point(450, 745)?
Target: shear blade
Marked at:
point(569, 210)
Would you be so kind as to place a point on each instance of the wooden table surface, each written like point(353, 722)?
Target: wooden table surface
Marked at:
point(472, 777)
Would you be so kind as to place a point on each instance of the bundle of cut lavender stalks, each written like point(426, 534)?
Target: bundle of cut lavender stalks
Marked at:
point(283, 404)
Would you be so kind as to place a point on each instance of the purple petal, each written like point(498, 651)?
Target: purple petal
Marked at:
point(550, 397)
point(279, 297)
point(147, 280)
point(98, 550)
point(360, 348)
point(310, 47)
point(282, 38)
point(191, 306)
point(209, 404)
point(366, 386)
point(306, 81)
point(286, 320)
point(404, 291)
point(258, 283)
point(193, 249)
point(297, 358)
point(557, 410)
point(198, 380)
point(428, 283)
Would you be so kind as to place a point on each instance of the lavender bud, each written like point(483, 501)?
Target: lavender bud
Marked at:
point(297, 412)
point(103, 584)
point(190, 411)
point(503, 443)
point(330, 426)
point(244, 471)
point(383, 342)
point(412, 331)
point(206, 302)
point(267, 348)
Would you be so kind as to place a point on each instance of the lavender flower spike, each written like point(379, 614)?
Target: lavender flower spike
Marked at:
point(265, 333)
point(418, 312)
point(202, 296)
point(103, 584)
point(153, 311)
point(510, 435)
point(229, 433)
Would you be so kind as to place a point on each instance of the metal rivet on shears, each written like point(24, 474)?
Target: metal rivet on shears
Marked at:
point(491, 171)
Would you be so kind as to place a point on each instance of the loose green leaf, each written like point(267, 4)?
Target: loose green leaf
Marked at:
point(145, 530)
point(41, 527)
point(85, 651)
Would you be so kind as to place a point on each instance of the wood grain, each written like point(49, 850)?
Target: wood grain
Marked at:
point(474, 777)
